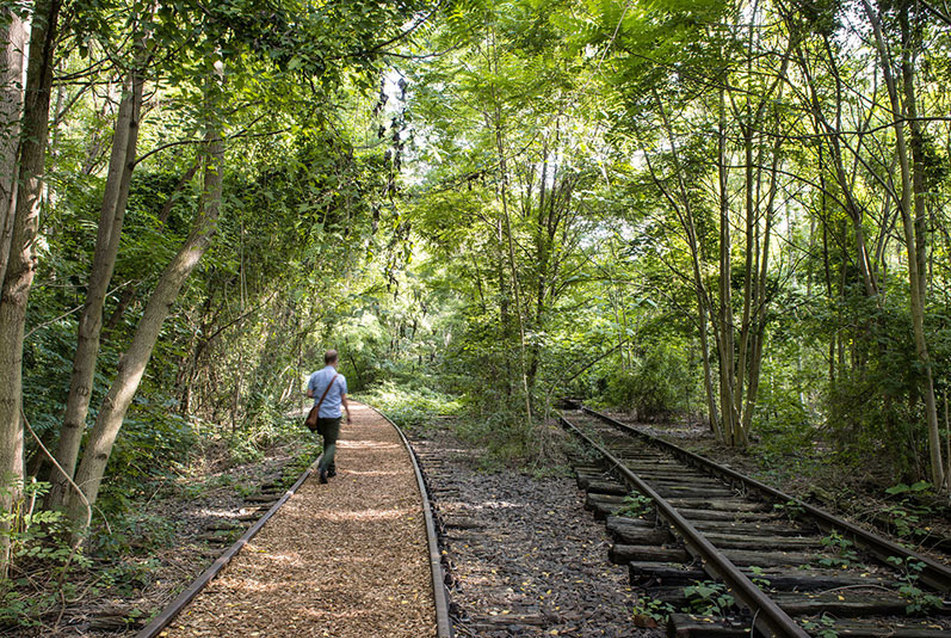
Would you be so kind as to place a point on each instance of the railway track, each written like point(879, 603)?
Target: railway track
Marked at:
point(724, 555)
point(291, 606)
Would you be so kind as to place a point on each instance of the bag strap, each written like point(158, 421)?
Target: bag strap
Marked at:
point(324, 395)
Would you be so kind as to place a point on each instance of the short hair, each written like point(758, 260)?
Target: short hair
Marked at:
point(330, 356)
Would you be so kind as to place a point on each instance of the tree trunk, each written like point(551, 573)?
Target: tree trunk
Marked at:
point(751, 253)
point(510, 246)
point(133, 362)
point(911, 199)
point(707, 371)
point(725, 330)
point(851, 204)
point(684, 211)
point(919, 189)
point(18, 276)
point(758, 319)
point(121, 164)
point(14, 37)
point(129, 293)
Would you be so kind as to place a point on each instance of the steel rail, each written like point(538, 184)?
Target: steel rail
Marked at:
point(934, 573)
point(168, 614)
point(769, 618)
point(440, 593)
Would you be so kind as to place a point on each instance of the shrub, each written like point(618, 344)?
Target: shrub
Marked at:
point(658, 384)
point(153, 439)
point(410, 407)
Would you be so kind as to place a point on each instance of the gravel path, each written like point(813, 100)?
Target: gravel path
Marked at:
point(347, 559)
point(526, 558)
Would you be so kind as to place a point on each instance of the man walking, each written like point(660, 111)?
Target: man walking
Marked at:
point(328, 388)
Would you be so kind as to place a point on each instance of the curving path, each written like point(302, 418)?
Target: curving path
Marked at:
point(347, 559)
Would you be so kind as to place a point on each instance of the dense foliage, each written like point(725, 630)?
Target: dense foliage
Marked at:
point(727, 209)
point(731, 212)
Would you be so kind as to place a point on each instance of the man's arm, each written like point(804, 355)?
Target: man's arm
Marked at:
point(346, 406)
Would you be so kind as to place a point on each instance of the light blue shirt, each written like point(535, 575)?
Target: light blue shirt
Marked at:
point(330, 408)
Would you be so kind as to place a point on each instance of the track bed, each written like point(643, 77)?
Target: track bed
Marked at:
point(702, 538)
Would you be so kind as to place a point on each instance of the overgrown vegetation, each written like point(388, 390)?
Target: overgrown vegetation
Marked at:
point(674, 208)
point(411, 407)
point(635, 505)
point(919, 601)
point(709, 598)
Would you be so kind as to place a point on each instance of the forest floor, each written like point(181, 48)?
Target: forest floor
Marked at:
point(525, 557)
point(808, 474)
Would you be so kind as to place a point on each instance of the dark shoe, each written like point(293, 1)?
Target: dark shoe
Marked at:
point(332, 472)
point(323, 476)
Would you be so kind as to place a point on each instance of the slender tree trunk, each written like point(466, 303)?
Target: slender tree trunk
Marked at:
point(18, 276)
point(504, 300)
point(749, 269)
point(853, 208)
point(919, 189)
point(516, 289)
point(14, 36)
point(708, 371)
point(129, 293)
point(545, 226)
point(510, 246)
point(684, 210)
point(911, 200)
point(833, 132)
point(916, 146)
point(725, 329)
point(115, 197)
point(615, 299)
point(133, 362)
point(758, 319)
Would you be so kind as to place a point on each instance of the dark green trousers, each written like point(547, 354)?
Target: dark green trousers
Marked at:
point(330, 430)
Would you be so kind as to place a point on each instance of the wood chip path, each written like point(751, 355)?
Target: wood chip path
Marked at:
point(346, 559)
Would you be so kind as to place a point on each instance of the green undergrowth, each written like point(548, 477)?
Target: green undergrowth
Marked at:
point(499, 431)
point(413, 407)
point(635, 505)
point(305, 455)
point(47, 573)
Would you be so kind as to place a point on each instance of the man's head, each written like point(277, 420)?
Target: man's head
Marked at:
point(330, 357)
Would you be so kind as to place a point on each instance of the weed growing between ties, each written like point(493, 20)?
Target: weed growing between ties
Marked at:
point(843, 550)
point(636, 505)
point(821, 626)
point(703, 598)
point(651, 612)
point(792, 509)
point(919, 601)
point(709, 598)
point(758, 577)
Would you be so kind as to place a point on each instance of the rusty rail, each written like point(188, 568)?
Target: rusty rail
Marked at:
point(168, 614)
point(440, 593)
